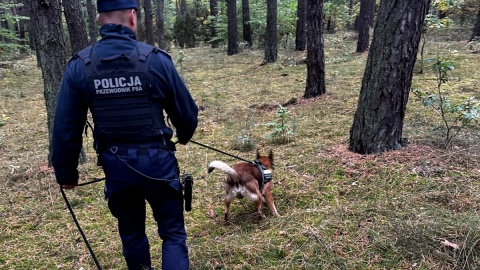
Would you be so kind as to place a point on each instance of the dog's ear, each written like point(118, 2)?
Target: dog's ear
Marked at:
point(270, 155)
point(258, 154)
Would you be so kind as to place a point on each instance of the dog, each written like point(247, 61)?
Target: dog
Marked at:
point(249, 180)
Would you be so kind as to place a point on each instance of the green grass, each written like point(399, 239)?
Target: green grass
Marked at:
point(339, 210)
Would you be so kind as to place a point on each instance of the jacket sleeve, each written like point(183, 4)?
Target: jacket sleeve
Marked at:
point(69, 121)
point(178, 102)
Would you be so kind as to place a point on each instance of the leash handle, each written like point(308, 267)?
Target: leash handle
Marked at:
point(80, 229)
point(225, 153)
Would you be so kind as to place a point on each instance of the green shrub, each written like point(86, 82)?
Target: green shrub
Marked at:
point(455, 115)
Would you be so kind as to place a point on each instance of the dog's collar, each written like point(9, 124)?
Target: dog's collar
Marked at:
point(266, 173)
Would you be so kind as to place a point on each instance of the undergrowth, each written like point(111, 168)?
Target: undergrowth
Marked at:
point(416, 208)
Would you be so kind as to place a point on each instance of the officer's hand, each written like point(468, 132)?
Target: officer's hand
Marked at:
point(68, 186)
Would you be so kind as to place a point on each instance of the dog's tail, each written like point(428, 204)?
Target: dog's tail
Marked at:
point(217, 164)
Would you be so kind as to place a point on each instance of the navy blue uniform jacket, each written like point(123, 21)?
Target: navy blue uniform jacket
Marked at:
point(72, 102)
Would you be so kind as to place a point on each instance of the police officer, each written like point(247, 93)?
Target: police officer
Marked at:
point(128, 85)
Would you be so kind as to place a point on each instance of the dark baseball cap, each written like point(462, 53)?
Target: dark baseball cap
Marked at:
point(112, 5)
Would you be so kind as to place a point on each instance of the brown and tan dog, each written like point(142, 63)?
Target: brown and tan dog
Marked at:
point(248, 180)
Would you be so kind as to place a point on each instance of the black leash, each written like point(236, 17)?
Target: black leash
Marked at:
point(91, 182)
point(78, 225)
point(220, 151)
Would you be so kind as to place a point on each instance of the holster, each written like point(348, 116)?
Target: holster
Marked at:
point(187, 184)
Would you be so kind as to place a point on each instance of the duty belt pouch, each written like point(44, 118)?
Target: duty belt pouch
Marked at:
point(187, 183)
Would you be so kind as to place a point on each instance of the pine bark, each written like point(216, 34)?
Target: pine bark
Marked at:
point(4, 24)
point(300, 34)
point(140, 22)
point(21, 25)
point(476, 28)
point(367, 12)
point(92, 22)
point(76, 25)
point(160, 25)
point(350, 12)
point(271, 47)
point(183, 7)
point(378, 122)
point(147, 5)
point(232, 46)
point(315, 85)
point(247, 29)
point(213, 13)
point(47, 30)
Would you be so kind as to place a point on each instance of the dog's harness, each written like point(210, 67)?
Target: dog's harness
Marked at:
point(266, 173)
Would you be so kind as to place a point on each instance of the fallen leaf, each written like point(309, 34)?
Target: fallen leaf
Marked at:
point(211, 213)
point(449, 244)
point(216, 264)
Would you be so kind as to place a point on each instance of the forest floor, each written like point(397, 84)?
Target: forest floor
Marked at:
point(414, 208)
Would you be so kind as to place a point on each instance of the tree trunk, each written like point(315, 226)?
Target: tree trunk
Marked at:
point(147, 5)
point(78, 35)
point(183, 7)
point(367, 12)
point(14, 29)
point(21, 25)
point(4, 25)
point(31, 36)
point(378, 121)
point(476, 28)
point(49, 42)
point(140, 22)
point(330, 25)
point(315, 55)
point(271, 49)
point(76, 24)
point(160, 25)
point(92, 22)
point(350, 13)
point(300, 35)
point(232, 47)
point(247, 29)
point(442, 14)
point(213, 13)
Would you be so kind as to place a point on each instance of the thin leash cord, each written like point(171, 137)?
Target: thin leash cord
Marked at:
point(80, 229)
point(91, 182)
point(225, 153)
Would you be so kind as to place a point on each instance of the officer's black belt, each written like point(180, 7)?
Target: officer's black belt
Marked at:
point(114, 150)
point(142, 148)
point(140, 151)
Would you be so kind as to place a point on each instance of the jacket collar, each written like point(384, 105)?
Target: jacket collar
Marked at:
point(116, 30)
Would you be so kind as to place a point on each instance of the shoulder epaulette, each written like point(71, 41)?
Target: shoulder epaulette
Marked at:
point(83, 54)
point(144, 50)
point(165, 53)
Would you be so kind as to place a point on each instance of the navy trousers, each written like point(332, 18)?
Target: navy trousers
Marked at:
point(129, 187)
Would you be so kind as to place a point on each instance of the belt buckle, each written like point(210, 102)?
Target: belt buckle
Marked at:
point(114, 149)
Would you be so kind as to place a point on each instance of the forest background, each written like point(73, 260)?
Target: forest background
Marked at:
point(411, 208)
